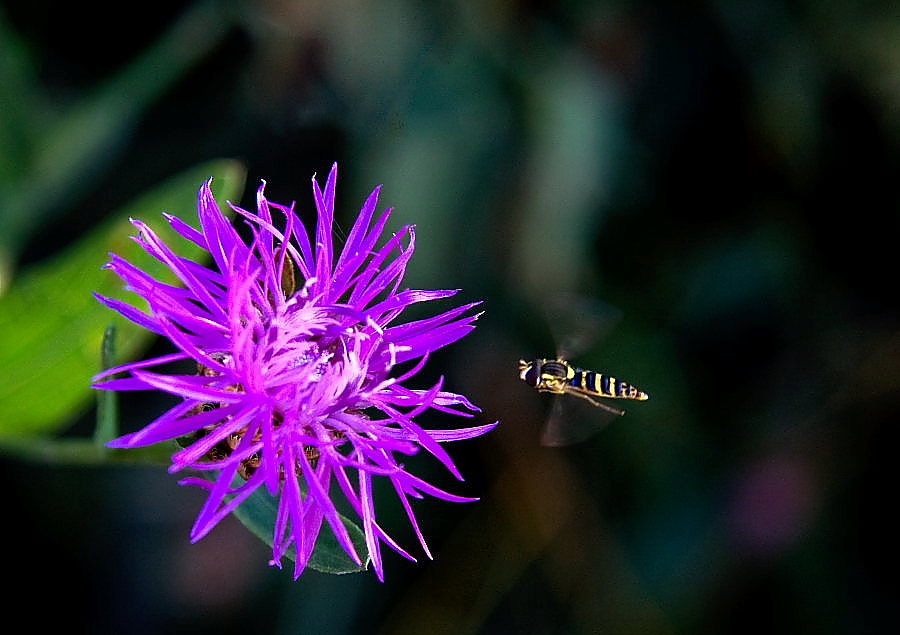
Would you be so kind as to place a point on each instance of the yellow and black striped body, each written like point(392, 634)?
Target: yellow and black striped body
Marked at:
point(559, 377)
point(605, 386)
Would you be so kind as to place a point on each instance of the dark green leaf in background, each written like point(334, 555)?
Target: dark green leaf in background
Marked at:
point(258, 514)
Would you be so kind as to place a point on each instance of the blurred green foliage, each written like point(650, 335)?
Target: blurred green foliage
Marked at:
point(53, 153)
point(51, 328)
point(722, 172)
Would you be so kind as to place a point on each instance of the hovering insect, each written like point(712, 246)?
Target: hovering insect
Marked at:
point(559, 377)
point(576, 322)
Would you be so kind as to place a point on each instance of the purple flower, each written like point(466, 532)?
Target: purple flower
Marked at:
point(303, 368)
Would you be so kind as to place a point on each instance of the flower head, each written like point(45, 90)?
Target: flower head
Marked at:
point(302, 368)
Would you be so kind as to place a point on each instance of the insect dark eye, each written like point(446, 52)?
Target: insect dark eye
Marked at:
point(532, 375)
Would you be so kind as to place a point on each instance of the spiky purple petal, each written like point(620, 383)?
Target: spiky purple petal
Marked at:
point(296, 389)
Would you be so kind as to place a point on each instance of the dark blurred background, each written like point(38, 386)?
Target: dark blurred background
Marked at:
point(721, 174)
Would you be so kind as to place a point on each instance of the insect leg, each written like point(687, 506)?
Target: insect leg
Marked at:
point(596, 402)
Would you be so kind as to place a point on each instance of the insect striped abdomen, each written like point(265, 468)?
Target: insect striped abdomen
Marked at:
point(605, 386)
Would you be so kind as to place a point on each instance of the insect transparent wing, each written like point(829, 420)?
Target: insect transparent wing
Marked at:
point(572, 420)
point(578, 322)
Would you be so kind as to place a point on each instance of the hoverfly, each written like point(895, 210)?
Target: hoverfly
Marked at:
point(576, 323)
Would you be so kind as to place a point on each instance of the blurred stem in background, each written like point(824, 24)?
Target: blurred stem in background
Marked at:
point(51, 155)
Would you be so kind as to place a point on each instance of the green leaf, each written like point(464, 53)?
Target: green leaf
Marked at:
point(51, 327)
point(258, 514)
